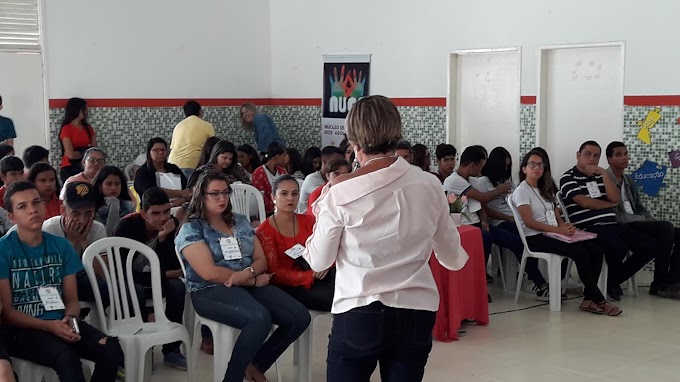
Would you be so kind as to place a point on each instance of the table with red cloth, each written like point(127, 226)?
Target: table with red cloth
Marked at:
point(463, 293)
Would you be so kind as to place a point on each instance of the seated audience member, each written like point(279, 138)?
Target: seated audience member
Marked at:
point(405, 151)
point(283, 237)
point(631, 212)
point(110, 182)
point(10, 173)
point(75, 136)
point(6, 150)
point(262, 126)
point(497, 170)
point(40, 329)
point(93, 160)
point(311, 161)
point(265, 175)
point(249, 159)
point(347, 149)
point(157, 172)
point(294, 167)
point(421, 157)
point(446, 160)
point(226, 275)
point(224, 158)
point(155, 227)
point(207, 149)
point(471, 163)
point(590, 197)
point(535, 201)
point(44, 177)
point(6, 372)
point(35, 154)
point(334, 168)
point(77, 225)
point(318, 179)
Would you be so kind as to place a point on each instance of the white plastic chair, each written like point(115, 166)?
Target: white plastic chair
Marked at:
point(303, 349)
point(604, 273)
point(244, 198)
point(224, 337)
point(135, 336)
point(554, 264)
point(497, 260)
point(33, 372)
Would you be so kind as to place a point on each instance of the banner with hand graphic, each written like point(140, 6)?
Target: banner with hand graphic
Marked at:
point(345, 80)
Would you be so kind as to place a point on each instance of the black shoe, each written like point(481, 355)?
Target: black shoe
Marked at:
point(489, 279)
point(669, 291)
point(488, 296)
point(654, 289)
point(615, 293)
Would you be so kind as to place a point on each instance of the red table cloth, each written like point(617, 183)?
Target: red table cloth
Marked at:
point(462, 294)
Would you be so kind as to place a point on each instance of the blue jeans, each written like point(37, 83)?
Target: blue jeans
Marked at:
point(85, 292)
point(46, 349)
point(188, 171)
point(253, 311)
point(400, 339)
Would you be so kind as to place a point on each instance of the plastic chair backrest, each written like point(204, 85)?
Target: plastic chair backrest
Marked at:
point(518, 220)
point(560, 202)
point(241, 200)
point(113, 267)
point(181, 263)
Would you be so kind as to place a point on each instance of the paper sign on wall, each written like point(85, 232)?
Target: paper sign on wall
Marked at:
point(674, 157)
point(649, 177)
point(345, 80)
point(650, 121)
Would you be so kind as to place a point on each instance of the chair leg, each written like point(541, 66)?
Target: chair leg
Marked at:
point(567, 276)
point(602, 281)
point(633, 287)
point(305, 354)
point(520, 276)
point(555, 282)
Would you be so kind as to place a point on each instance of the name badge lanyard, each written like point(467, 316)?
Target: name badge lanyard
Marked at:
point(544, 204)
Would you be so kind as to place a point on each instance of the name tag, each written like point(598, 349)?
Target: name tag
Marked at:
point(230, 248)
point(295, 251)
point(51, 298)
point(593, 190)
point(550, 217)
point(628, 207)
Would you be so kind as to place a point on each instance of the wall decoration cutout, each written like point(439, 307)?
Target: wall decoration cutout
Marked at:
point(649, 177)
point(653, 116)
point(674, 157)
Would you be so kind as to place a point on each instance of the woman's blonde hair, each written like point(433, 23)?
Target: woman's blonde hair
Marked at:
point(247, 106)
point(374, 125)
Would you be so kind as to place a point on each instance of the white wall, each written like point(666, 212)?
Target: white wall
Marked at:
point(158, 49)
point(410, 40)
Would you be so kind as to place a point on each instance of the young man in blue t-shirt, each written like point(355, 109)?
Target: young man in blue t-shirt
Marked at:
point(40, 299)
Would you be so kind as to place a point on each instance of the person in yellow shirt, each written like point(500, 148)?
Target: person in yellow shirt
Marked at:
point(188, 138)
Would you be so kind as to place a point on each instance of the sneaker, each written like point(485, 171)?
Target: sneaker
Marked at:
point(542, 294)
point(669, 291)
point(176, 360)
point(120, 374)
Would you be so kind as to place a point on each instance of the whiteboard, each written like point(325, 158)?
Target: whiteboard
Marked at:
point(23, 98)
point(580, 98)
point(484, 100)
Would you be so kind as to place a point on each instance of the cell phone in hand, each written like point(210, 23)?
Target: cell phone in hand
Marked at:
point(74, 325)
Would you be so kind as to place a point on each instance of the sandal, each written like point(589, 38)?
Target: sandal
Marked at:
point(592, 307)
point(207, 345)
point(610, 310)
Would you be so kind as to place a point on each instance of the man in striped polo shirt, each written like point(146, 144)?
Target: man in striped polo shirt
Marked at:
point(590, 197)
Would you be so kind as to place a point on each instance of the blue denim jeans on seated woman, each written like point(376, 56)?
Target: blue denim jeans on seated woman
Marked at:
point(253, 311)
point(400, 339)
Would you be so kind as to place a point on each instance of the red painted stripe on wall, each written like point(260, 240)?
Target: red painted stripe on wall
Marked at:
point(639, 100)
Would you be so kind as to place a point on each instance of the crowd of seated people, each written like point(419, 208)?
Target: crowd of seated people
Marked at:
point(252, 276)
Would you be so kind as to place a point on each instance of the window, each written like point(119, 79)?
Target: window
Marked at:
point(19, 25)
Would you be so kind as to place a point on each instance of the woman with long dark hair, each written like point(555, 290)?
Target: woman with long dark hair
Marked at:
point(294, 166)
point(112, 186)
point(265, 175)
point(311, 161)
point(379, 225)
point(249, 159)
point(421, 157)
point(207, 149)
point(535, 201)
point(224, 157)
point(173, 181)
point(497, 170)
point(75, 136)
point(226, 273)
point(44, 177)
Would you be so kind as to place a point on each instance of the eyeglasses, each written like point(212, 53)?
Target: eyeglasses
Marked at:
point(100, 161)
point(535, 165)
point(215, 195)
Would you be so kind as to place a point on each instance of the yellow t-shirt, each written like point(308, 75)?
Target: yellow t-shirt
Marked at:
point(187, 141)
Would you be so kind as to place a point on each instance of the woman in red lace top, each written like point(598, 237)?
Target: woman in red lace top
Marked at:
point(283, 236)
point(265, 175)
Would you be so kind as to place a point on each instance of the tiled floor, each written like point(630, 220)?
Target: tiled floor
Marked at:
point(535, 345)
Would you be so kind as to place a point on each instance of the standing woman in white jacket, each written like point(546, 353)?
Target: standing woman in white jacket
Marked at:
point(379, 225)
